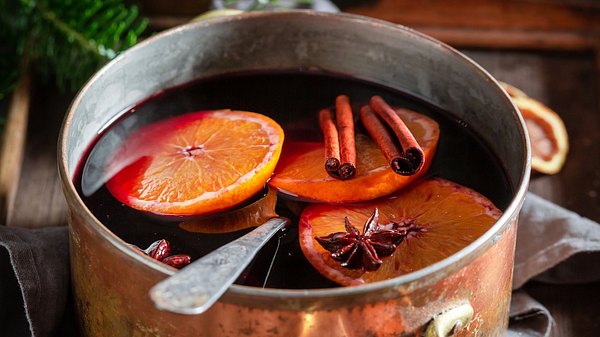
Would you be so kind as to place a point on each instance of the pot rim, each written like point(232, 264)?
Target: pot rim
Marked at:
point(450, 263)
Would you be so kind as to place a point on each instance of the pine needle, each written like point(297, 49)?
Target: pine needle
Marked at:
point(72, 39)
point(68, 40)
point(64, 40)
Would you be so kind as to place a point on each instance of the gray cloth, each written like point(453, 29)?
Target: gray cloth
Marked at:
point(528, 318)
point(553, 245)
point(549, 236)
point(34, 280)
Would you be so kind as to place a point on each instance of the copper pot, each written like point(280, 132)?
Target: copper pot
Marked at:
point(467, 294)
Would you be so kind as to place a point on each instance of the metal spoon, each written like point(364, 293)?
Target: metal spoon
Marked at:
point(198, 286)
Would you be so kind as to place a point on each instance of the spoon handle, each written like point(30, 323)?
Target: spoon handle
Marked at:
point(198, 286)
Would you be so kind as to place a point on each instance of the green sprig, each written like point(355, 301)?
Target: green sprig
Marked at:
point(63, 40)
point(71, 39)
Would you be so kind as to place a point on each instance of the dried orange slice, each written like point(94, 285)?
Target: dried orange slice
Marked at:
point(448, 217)
point(197, 163)
point(513, 91)
point(300, 172)
point(547, 132)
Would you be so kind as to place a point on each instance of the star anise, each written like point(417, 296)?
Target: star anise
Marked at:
point(364, 251)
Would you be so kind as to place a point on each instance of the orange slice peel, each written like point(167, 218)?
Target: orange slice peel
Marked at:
point(547, 132)
point(252, 215)
point(300, 172)
point(449, 217)
point(195, 164)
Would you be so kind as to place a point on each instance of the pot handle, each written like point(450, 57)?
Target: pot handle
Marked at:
point(447, 322)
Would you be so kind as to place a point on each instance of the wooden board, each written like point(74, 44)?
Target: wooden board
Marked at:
point(12, 146)
point(39, 201)
point(567, 83)
point(507, 24)
point(524, 24)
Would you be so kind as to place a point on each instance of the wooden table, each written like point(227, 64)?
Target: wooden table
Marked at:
point(565, 80)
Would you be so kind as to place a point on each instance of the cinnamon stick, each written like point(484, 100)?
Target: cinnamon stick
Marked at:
point(345, 127)
point(412, 156)
point(382, 137)
point(332, 145)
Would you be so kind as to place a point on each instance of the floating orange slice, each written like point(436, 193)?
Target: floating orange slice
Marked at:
point(448, 216)
point(547, 132)
point(251, 215)
point(198, 163)
point(300, 171)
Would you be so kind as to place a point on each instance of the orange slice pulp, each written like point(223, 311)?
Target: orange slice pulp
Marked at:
point(448, 215)
point(547, 132)
point(198, 163)
point(300, 171)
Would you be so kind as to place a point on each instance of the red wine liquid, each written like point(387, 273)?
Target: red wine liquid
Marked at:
point(293, 99)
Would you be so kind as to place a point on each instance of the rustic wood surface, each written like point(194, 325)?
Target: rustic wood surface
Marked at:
point(534, 24)
point(39, 201)
point(523, 24)
point(493, 14)
point(568, 83)
point(12, 145)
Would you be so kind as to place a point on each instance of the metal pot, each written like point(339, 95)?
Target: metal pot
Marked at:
point(467, 294)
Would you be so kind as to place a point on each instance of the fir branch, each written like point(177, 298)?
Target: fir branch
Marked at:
point(69, 32)
point(66, 40)
point(72, 39)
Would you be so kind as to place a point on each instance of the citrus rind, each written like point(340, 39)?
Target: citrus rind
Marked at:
point(300, 172)
point(550, 151)
point(198, 163)
point(451, 217)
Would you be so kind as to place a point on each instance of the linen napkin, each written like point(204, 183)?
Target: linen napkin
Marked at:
point(553, 245)
point(34, 280)
point(548, 239)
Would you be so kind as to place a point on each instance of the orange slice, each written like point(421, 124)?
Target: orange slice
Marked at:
point(300, 172)
point(547, 132)
point(448, 216)
point(512, 91)
point(198, 163)
point(252, 215)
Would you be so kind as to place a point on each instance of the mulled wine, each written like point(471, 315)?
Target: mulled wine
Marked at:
point(293, 99)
